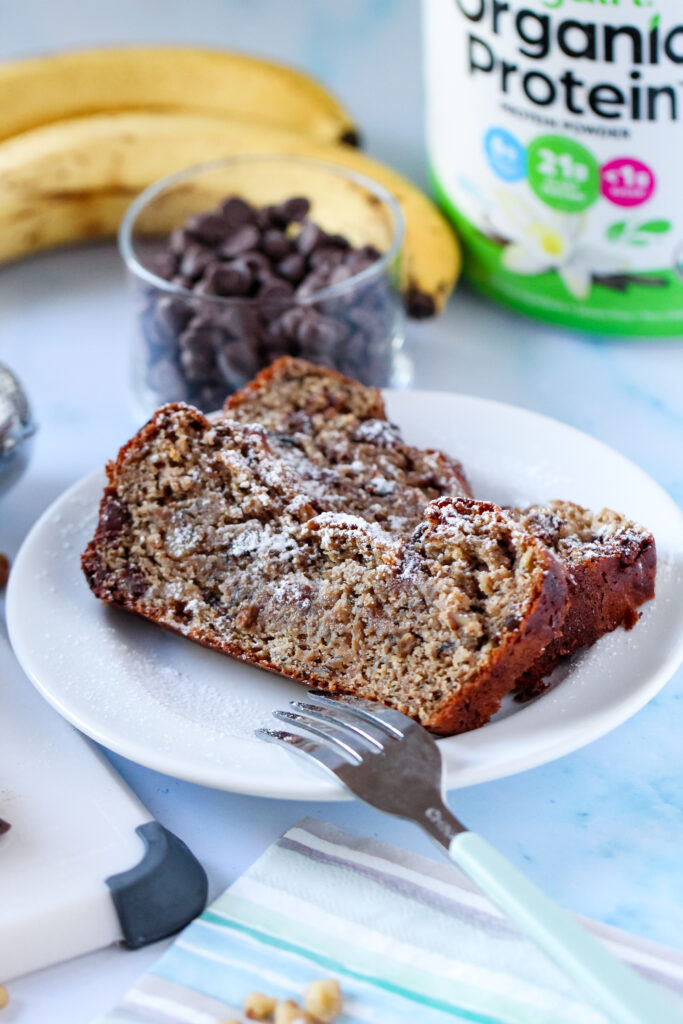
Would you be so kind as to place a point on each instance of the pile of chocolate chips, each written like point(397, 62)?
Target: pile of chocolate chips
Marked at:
point(198, 350)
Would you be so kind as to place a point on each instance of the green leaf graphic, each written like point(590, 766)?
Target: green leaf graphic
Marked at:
point(655, 227)
point(615, 231)
point(654, 22)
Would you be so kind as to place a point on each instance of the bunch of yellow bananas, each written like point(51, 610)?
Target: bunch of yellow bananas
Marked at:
point(82, 133)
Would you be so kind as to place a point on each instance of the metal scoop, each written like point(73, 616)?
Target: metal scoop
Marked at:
point(16, 429)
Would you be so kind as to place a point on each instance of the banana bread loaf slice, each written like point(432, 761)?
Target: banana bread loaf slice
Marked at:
point(610, 563)
point(295, 395)
point(341, 430)
point(204, 530)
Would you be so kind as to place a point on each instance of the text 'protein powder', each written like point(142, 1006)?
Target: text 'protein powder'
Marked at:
point(555, 134)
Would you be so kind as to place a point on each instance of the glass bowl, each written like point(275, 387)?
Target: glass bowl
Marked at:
point(197, 346)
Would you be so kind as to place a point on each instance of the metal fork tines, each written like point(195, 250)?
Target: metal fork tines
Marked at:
point(382, 756)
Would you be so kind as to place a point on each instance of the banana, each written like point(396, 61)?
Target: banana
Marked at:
point(42, 90)
point(73, 180)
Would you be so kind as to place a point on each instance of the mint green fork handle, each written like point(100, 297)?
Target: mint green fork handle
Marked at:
point(617, 990)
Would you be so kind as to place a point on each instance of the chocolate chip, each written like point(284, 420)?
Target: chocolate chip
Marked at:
point(134, 582)
point(355, 354)
point(238, 320)
point(96, 573)
point(275, 244)
point(195, 260)
point(268, 217)
point(198, 344)
point(275, 296)
point(296, 208)
point(357, 261)
point(313, 283)
point(290, 320)
point(209, 228)
point(370, 252)
point(292, 267)
point(114, 517)
point(318, 332)
point(236, 211)
point(362, 318)
point(309, 237)
point(340, 274)
point(228, 279)
point(173, 313)
point(4, 826)
point(338, 241)
point(325, 258)
point(237, 363)
point(240, 240)
point(256, 262)
point(163, 264)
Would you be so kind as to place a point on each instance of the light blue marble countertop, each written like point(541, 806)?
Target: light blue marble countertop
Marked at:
point(600, 830)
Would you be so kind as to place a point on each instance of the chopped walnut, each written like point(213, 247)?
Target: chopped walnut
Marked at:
point(289, 1012)
point(4, 571)
point(323, 1000)
point(259, 1007)
point(4, 997)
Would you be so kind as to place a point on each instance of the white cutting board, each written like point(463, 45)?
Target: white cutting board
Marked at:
point(73, 825)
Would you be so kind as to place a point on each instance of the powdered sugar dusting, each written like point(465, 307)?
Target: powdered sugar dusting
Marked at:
point(377, 432)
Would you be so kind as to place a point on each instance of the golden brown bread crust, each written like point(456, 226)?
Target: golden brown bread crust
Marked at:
point(609, 578)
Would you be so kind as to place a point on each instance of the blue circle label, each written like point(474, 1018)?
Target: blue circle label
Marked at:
point(505, 154)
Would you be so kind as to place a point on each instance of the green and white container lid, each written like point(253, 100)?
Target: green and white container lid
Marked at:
point(555, 137)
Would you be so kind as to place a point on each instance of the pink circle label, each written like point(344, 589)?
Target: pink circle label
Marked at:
point(627, 182)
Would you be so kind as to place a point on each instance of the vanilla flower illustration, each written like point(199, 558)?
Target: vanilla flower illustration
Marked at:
point(548, 240)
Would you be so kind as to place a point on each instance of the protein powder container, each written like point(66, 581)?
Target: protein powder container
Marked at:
point(555, 139)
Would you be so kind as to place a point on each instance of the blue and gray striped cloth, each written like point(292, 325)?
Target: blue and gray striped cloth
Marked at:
point(407, 939)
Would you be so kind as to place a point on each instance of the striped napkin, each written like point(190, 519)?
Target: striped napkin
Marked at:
point(409, 941)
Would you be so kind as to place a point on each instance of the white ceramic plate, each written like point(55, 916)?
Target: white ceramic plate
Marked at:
point(171, 705)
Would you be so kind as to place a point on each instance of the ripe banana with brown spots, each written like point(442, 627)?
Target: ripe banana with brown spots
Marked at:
point(72, 180)
point(42, 90)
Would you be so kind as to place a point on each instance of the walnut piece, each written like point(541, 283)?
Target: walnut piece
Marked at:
point(323, 1000)
point(289, 1012)
point(259, 1007)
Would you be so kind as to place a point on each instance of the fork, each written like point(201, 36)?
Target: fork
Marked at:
point(394, 764)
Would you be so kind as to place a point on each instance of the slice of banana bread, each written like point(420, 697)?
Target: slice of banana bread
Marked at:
point(341, 430)
point(206, 531)
point(610, 563)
